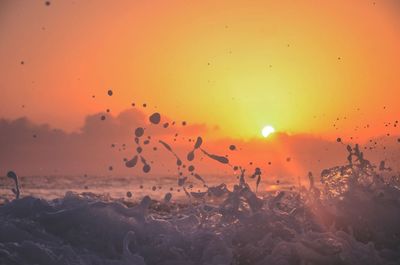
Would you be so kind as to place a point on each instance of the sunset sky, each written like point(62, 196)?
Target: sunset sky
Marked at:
point(313, 70)
point(239, 65)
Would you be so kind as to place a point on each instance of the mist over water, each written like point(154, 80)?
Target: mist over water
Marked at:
point(347, 214)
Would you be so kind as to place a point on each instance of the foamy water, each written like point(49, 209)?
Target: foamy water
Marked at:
point(352, 220)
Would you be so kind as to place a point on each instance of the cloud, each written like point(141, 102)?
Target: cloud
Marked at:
point(32, 149)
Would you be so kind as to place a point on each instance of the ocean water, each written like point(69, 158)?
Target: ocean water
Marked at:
point(52, 187)
point(351, 217)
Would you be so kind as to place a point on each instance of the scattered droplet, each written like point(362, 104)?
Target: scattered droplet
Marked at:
point(190, 156)
point(198, 143)
point(220, 159)
point(146, 168)
point(131, 163)
point(139, 132)
point(167, 197)
point(155, 118)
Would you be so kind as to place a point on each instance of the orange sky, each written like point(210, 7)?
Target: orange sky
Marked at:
point(298, 65)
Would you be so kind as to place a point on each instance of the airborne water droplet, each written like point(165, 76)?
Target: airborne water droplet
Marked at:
point(155, 118)
point(190, 156)
point(198, 143)
point(139, 132)
point(146, 168)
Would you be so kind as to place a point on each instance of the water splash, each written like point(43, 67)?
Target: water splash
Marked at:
point(349, 216)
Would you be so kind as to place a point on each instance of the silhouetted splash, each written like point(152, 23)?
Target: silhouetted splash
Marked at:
point(350, 216)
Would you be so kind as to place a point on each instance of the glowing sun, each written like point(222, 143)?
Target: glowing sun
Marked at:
point(267, 130)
